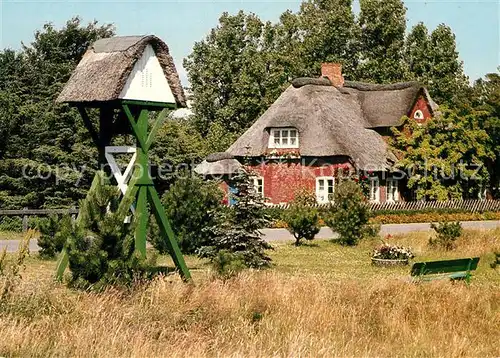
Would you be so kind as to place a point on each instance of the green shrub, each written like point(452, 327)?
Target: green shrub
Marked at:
point(11, 223)
point(237, 231)
point(349, 214)
point(100, 246)
point(227, 264)
point(446, 234)
point(302, 220)
point(52, 239)
point(190, 205)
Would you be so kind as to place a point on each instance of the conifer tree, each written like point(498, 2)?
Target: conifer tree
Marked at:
point(239, 233)
point(100, 245)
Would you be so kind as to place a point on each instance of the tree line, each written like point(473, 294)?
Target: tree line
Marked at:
point(235, 74)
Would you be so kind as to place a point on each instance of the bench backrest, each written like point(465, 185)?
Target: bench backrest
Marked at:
point(436, 267)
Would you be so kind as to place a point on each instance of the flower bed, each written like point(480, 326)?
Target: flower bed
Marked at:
point(391, 255)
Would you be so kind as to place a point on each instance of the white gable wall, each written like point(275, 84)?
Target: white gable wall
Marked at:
point(147, 82)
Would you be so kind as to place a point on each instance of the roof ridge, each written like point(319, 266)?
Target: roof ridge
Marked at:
point(365, 86)
point(102, 45)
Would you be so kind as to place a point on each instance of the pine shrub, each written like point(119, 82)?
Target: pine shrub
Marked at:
point(238, 230)
point(496, 261)
point(227, 264)
point(190, 204)
point(446, 235)
point(350, 215)
point(100, 246)
point(52, 238)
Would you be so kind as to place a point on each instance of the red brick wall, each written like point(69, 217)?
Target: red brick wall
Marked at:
point(421, 104)
point(283, 179)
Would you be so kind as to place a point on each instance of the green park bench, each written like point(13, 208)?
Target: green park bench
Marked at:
point(459, 269)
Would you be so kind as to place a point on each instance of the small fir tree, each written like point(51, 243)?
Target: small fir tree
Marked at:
point(239, 233)
point(447, 234)
point(496, 262)
point(51, 240)
point(100, 245)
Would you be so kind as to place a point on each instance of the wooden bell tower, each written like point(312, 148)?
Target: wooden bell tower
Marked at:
point(133, 84)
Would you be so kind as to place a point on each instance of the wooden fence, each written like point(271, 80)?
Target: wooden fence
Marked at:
point(465, 205)
point(26, 213)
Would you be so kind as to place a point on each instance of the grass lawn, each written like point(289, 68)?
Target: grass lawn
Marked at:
point(319, 300)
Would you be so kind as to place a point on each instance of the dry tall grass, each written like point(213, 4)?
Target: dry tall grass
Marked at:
point(257, 315)
point(262, 314)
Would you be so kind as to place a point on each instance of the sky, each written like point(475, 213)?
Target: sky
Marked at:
point(182, 23)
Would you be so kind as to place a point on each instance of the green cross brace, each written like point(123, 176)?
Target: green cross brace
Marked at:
point(142, 188)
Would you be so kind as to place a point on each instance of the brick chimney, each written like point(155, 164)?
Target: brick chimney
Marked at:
point(333, 71)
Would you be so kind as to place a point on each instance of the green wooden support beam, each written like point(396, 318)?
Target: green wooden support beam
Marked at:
point(140, 187)
point(135, 128)
point(62, 264)
point(90, 127)
point(142, 163)
point(156, 126)
point(168, 233)
point(142, 217)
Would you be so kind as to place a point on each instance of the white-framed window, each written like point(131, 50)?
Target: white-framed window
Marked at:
point(419, 115)
point(392, 190)
point(258, 183)
point(374, 190)
point(284, 138)
point(325, 187)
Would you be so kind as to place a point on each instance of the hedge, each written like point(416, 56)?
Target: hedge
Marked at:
point(402, 217)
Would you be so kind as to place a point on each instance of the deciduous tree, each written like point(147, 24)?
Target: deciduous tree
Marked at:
point(382, 25)
point(445, 158)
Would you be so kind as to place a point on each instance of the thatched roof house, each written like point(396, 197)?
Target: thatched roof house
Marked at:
point(125, 67)
point(335, 121)
point(321, 127)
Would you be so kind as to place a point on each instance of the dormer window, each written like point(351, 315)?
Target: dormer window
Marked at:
point(284, 138)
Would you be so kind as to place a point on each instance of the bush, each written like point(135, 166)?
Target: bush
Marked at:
point(302, 221)
point(227, 264)
point(350, 215)
point(100, 246)
point(238, 230)
point(446, 234)
point(8, 223)
point(190, 205)
point(52, 239)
